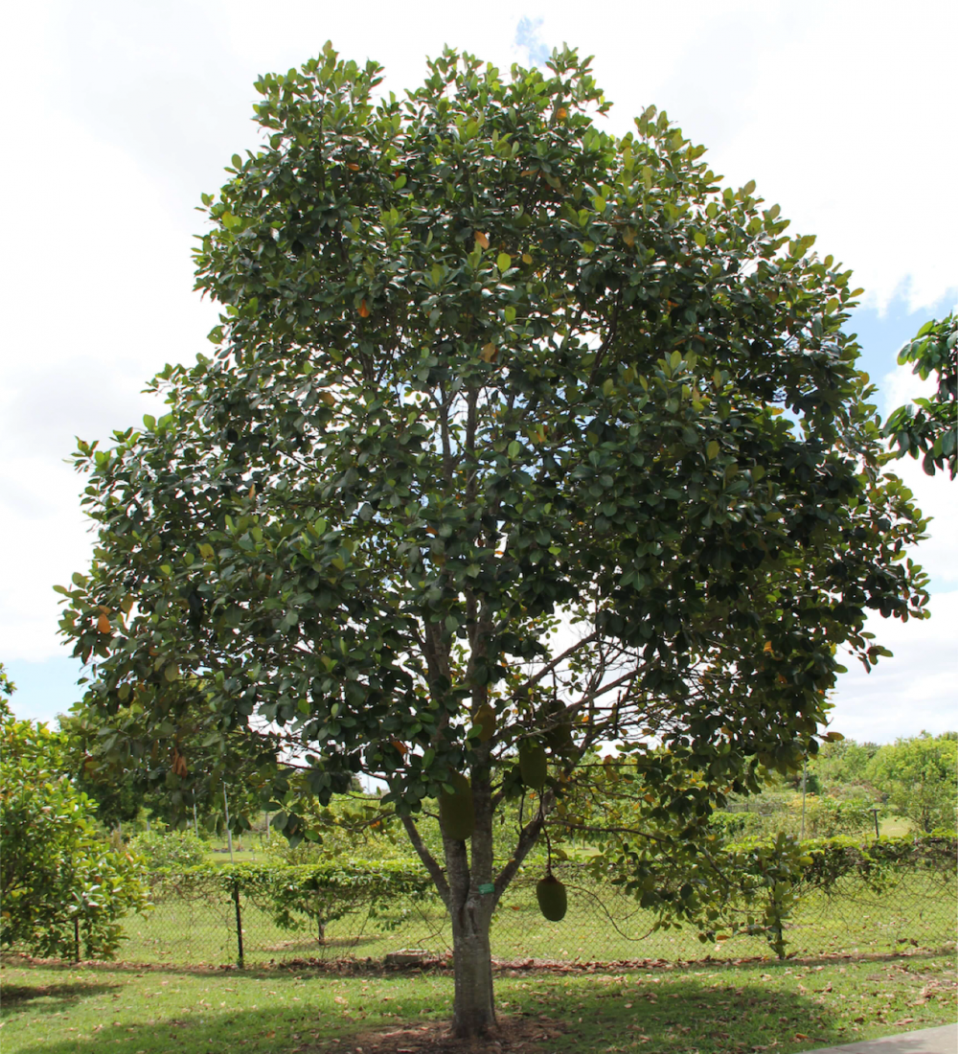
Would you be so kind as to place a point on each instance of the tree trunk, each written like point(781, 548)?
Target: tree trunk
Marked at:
point(470, 911)
point(474, 1007)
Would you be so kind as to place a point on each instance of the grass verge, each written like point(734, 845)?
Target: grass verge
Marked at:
point(708, 1008)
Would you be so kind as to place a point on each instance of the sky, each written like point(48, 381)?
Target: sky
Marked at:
point(120, 115)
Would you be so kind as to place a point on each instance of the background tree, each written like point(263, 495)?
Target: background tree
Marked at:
point(920, 777)
point(518, 439)
point(126, 781)
point(931, 430)
point(842, 765)
point(63, 890)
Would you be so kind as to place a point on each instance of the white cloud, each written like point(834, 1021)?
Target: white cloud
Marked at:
point(900, 385)
point(915, 690)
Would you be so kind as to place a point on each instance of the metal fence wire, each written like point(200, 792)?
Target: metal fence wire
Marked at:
point(193, 924)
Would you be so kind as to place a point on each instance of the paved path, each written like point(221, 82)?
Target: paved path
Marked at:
point(942, 1040)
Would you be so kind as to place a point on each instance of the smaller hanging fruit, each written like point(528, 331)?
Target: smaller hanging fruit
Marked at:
point(457, 815)
point(558, 736)
point(552, 897)
point(532, 763)
point(485, 721)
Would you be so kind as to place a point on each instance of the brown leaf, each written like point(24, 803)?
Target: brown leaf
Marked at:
point(482, 239)
point(489, 353)
point(363, 310)
point(103, 624)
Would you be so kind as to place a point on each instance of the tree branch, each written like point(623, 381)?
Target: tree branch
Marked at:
point(528, 837)
point(428, 860)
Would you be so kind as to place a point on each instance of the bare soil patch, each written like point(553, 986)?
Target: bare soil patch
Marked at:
point(513, 1033)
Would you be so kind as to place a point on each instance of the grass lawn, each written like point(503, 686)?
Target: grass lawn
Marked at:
point(708, 1008)
point(251, 853)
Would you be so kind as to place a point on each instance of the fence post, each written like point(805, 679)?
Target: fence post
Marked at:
point(76, 938)
point(239, 923)
point(229, 833)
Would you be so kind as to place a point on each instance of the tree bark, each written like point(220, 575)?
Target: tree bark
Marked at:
point(474, 892)
point(474, 1008)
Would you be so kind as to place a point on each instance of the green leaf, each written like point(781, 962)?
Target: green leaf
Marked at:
point(503, 261)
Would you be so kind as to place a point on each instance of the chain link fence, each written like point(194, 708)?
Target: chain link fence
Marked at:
point(194, 925)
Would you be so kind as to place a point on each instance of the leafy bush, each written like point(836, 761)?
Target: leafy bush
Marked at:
point(63, 890)
point(831, 817)
point(173, 849)
point(918, 777)
point(733, 826)
point(755, 885)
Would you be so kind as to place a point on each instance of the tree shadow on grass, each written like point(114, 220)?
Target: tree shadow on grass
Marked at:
point(580, 1014)
point(50, 998)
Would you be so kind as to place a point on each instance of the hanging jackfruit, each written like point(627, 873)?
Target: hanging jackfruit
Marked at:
point(486, 721)
point(558, 738)
point(532, 763)
point(552, 897)
point(456, 812)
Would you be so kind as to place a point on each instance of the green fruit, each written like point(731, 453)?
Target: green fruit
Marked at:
point(456, 813)
point(553, 901)
point(559, 738)
point(532, 763)
point(486, 721)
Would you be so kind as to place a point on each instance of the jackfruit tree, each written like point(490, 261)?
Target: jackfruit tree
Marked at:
point(518, 439)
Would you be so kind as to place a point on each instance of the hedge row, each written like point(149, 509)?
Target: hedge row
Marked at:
point(753, 886)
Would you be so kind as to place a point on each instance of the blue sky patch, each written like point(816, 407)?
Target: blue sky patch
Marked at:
point(527, 37)
point(881, 334)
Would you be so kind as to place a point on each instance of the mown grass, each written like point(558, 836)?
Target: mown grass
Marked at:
point(706, 1008)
